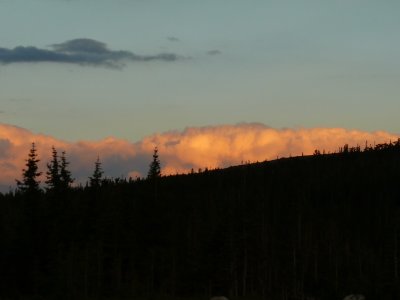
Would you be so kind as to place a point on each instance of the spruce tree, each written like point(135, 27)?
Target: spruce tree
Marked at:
point(65, 175)
point(95, 179)
point(30, 183)
point(155, 166)
point(53, 171)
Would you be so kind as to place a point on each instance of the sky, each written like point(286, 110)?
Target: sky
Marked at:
point(84, 71)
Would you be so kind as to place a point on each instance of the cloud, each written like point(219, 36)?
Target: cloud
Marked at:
point(173, 39)
point(78, 51)
point(214, 52)
point(4, 147)
point(81, 46)
point(180, 151)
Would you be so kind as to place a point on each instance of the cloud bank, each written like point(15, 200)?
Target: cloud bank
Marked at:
point(78, 51)
point(180, 151)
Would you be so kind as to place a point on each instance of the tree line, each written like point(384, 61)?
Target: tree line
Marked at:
point(309, 227)
point(58, 176)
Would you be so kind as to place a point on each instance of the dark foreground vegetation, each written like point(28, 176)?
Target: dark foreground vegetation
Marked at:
point(321, 226)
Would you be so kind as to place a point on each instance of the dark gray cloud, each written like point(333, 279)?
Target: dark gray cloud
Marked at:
point(78, 51)
point(81, 46)
point(214, 52)
point(173, 39)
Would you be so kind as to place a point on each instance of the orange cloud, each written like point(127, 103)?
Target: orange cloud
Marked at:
point(180, 151)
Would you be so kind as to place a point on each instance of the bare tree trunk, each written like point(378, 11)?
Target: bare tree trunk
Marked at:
point(294, 271)
point(395, 256)
point(118, 273)
point(150, 290)
point(299, 229)
point(99, 267)
point(316, 271)
point(360, 267)
point(85, 272)
point(336, 273)
point(173, 275)
point(244, 275)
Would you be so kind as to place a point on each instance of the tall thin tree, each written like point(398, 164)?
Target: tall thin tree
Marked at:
point(65, 175)
point(53, 171)
point(30, 183)
point(95, 179)
point(155, 166)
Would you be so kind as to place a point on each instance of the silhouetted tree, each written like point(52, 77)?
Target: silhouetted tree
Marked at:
point(30, 183)
point(95, 179)
point(155, 166)
point(53, 171)
point(317, 152)
point(296, 228)
point(65, 175)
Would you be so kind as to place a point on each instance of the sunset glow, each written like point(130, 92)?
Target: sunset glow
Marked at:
point(174, 149)
point(180, 151)
point(119, 88)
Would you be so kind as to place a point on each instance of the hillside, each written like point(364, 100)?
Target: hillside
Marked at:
point(321, 226)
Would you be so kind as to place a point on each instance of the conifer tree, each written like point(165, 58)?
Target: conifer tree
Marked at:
point(53, 171)
point(30, 183)
point(155, 166)
point(95, 179)
point(65, 175)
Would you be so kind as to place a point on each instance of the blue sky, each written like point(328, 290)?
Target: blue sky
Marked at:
point(282, 63)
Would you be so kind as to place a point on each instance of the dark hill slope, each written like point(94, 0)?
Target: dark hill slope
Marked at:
point(323, 226)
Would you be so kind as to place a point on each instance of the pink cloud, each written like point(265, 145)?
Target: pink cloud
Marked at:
point(180, 151)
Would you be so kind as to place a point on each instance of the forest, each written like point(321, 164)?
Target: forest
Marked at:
point(315, 227)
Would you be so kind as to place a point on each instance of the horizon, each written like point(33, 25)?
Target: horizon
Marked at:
point(177, 149)
point(204, 73)
point(180, 151)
